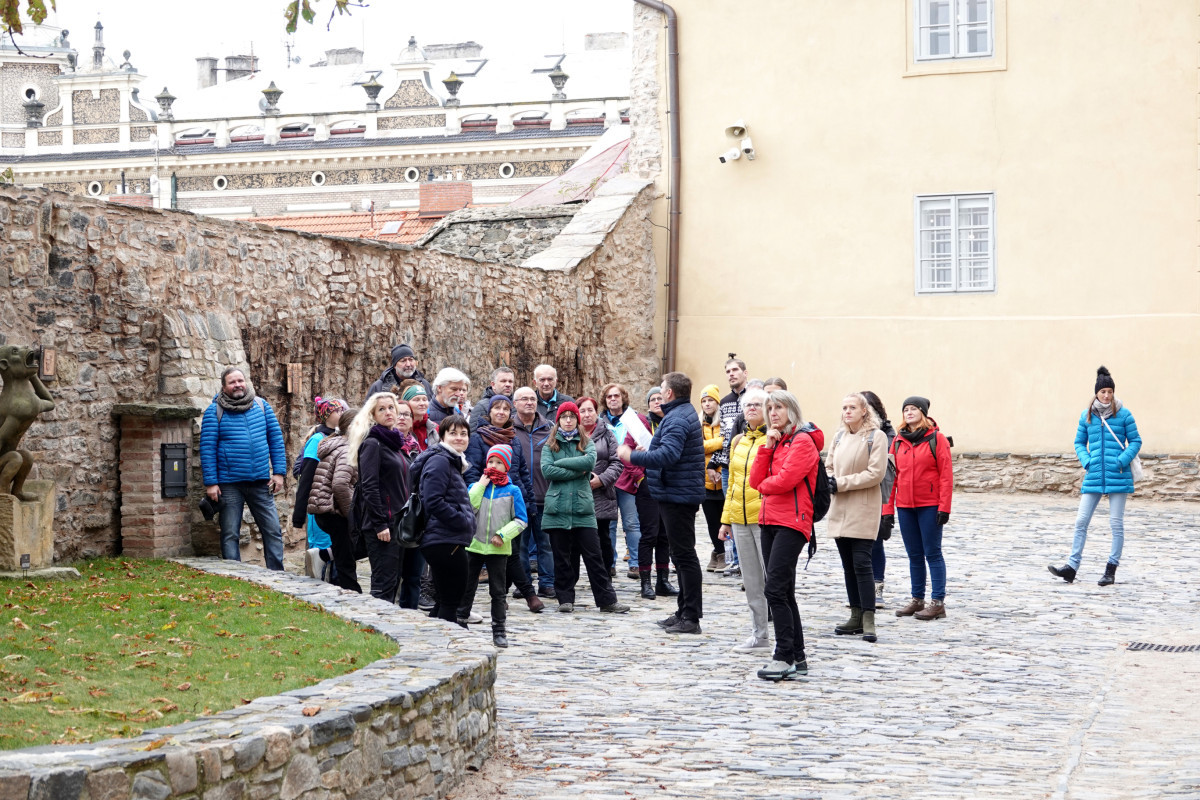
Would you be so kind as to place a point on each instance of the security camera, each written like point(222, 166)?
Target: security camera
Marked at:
point(737, 130)
point(732, 154)
point(748, 148)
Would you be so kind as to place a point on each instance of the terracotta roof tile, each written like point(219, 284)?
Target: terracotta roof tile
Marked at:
point(356, 225)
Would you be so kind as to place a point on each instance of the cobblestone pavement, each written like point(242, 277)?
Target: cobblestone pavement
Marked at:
point(1025, 690)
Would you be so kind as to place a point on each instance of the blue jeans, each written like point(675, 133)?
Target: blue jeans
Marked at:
point(923, 541)
point(627, 504)
point(1116, 521)
point(257, 495)
point(878, 559)
point(537, 543)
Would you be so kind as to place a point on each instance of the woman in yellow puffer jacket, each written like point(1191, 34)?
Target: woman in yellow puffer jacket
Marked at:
point(739, 517)
point(714, 497)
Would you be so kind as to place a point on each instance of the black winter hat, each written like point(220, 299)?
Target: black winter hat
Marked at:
point(1104, 380)
point(402, 351)
point(919, 402)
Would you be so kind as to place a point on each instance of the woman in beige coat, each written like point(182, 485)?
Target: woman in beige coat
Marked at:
point(856, 465)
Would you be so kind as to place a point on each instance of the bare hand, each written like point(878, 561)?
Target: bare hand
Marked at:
point(384, 535)
point(725, 533)
point(497, 539)
point(276, 485)
point(713, 476)
point(213, 492)
point(595, 482)
point(773, 437)
point(623, 453)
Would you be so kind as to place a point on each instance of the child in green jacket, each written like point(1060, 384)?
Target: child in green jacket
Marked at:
point(500, 516)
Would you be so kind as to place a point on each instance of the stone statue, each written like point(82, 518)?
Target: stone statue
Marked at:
point(24, 397)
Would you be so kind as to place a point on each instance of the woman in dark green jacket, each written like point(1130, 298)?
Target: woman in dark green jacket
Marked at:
point(569, 516)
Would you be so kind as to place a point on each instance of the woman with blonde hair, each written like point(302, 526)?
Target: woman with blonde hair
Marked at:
point(856, 464)
point(376, 448)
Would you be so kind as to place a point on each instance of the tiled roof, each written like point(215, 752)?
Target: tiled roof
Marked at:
point(334, 142)
point(357, 225)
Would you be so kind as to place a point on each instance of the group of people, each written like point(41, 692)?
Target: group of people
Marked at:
point(528, 481)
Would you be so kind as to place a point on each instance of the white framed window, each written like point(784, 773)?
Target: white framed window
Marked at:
point(949, 29)
point(956, 243)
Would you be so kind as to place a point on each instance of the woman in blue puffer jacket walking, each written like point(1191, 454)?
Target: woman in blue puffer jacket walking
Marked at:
point(1106, 442)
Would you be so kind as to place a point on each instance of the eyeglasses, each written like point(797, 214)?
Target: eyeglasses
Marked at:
point(403, 414)
point(613, 397)
point(751, 405)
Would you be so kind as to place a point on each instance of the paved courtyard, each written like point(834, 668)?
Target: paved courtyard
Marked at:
point(1026, 689)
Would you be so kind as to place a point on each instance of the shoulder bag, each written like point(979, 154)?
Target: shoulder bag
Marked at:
point(1135, 466)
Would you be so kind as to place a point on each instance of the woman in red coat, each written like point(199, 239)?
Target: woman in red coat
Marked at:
point(784, 473)
point(921, 499)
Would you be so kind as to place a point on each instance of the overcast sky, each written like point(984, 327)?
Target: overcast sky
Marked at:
point(166, 36)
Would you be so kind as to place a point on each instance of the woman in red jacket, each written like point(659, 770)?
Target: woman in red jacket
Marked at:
point(784, 473)
point(921, 499)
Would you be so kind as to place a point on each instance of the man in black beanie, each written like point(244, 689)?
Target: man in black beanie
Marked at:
point(403, 366)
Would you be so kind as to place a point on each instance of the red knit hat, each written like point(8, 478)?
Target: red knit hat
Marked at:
point(567, 406)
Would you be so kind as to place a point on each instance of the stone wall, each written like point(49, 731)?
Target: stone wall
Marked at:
point(503, 235)
point(145, 305)
point(1168, 477)
point(406, 727)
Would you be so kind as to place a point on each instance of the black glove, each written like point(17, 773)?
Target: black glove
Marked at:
point(812, 546)
point(833, 485)
point(886, 523)
point(943, 517)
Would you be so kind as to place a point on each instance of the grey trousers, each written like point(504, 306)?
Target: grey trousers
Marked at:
point(754, 576)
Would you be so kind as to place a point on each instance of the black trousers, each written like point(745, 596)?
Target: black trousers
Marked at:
point(856, 567)
point(497, 586)
point(569, 545)
point(345, 568)
point(516, 571)
point(603, 528)
point(385, 566)
point(653, 548)
point(448, 566)
point(679, 520)
point(712, 507)
point(781, 549)
point(412, 566)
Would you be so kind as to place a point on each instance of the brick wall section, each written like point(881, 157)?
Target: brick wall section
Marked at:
point(152, 526)
point(440, 198)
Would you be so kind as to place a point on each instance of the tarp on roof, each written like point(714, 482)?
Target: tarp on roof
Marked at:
point(606, 158)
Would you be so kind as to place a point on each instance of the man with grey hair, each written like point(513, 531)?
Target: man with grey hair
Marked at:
point(532, 431)
point(548, 396)
point(449, 391)
point(502, 382)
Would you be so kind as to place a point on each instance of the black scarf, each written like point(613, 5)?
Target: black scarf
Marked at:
point(236, 406)
point(915, 437)
point(392, 438)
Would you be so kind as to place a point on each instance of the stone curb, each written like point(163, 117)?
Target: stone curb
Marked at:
point(406, 726)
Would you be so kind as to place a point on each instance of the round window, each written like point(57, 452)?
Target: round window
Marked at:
point(31, 93)
point(220, 183)
point(507, 170)
point(318, 179)
point(412, 174)
point(95, 188)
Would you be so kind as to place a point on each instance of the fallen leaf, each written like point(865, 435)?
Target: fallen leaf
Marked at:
point(183, 687)
point(21, 626)
point(311, 711)
point(157, 743)
point(31, 697)
point(168, 708)
point(169, 626)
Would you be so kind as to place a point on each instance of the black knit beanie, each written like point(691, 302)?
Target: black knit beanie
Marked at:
point(1104, 380)
point(402, 351)
point(919, 402)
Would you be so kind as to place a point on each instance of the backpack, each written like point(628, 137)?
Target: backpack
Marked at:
point(299, 461)
point(889, 475)
point(820, 496)
point(408, 527)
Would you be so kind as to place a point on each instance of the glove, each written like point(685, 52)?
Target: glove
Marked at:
point(943, 517)
point(886, 522)
point(812, 546)
point(833, 485)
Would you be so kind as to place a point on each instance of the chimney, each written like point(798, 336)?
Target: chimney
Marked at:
point(344, 55)
point(98, 49)
point(239, 67)
point(439, 198)
point(606, 41)
point(206, 72)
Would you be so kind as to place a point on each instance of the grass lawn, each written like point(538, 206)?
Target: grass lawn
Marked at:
point(144, 644)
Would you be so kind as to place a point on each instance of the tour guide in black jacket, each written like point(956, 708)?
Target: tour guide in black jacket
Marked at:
point(450, 519)
point(674, 465)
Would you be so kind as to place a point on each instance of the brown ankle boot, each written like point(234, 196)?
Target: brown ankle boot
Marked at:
point(914, 605)
point(935, 610)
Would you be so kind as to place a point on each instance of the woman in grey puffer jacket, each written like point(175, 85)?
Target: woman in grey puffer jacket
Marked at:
point(604, 475)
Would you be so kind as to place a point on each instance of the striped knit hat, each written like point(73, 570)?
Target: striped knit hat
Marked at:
point(503, 452)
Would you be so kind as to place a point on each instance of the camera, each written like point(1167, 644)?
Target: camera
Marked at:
point(732, 154)
point(748, 148)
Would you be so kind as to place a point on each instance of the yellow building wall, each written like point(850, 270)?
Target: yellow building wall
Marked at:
point(802, 261)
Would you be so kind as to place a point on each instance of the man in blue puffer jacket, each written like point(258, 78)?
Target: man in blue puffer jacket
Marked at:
point(243, 461)
point(674, 465)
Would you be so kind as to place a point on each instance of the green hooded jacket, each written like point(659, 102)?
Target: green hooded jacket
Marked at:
point(568, 472)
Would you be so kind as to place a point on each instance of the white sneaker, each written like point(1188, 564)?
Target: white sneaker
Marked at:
point(752, 644)
point(312, 560)
point(474, 619)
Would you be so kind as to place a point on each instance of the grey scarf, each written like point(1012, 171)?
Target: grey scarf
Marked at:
point(236, 406)
point(1104, 410)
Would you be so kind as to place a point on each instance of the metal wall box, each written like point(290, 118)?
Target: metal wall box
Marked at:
point(174, 469)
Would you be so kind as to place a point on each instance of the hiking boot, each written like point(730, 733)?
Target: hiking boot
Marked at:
point(535, 603)
point(547, 592)
point(777, 671)
point(668, 622)
point(615, 608)
point(647, 587)
point(634, 573)
point(751, 645)
point(566, 608)
point(1066, 572)
point(1110, 575)
point(664, 586)
point(935, 610)
point(879, 594)
point(868, 626)
point(914, 605)
point(852, 626)
point(612, 572)
point(499, 638)
point(684, 626)
point(712, 563)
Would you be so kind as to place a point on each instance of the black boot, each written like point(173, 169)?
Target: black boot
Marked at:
point(647, 587)
point(498, 635)
point(1110, 575)
point(1067, 573)
point(664, 586)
